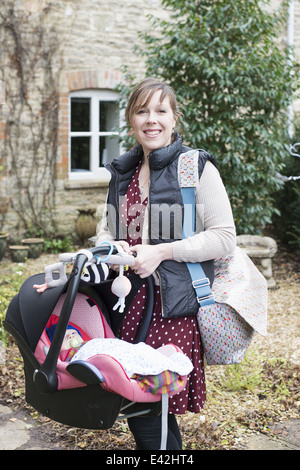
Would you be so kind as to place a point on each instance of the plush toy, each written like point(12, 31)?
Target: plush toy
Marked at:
point(121, 287)
point(96, 270)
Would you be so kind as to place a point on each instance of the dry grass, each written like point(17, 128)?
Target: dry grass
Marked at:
point(242, 399)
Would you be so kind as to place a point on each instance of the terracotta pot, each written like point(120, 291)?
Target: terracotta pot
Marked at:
point(3, 243)
point(19, 253)
point(35, 246)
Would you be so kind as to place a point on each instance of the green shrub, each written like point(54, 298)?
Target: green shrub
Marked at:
point(287, 223)
point(4, 302)
point(9, 287)
point(58, 245)
point(234, 84)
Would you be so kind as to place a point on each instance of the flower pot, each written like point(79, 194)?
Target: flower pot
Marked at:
point(35, 246)
point(85, 225)
point(19, 253)
point(3, 243)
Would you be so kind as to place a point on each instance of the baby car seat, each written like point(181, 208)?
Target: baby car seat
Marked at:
point(89, 394)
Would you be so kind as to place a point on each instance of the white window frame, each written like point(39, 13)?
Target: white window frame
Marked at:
point(96, 172)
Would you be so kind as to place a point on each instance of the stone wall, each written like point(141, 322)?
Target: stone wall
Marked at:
point(91, 41)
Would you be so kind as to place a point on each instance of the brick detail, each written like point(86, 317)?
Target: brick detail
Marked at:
point(2, 130)
point(62, 165)
point(82, 79)
point(77, 80)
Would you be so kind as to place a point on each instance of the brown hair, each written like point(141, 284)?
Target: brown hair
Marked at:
point(143, 93)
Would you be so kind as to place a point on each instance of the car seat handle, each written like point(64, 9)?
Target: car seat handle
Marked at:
point(45, 378)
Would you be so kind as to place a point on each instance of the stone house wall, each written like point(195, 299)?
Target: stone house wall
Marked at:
point(91, 41)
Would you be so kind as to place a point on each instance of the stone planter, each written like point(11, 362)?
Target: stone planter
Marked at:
point(19, 253)
point(262, 248)
point(3, 243)
point(35, 246)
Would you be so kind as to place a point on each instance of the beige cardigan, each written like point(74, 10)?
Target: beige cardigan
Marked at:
point(218, 237)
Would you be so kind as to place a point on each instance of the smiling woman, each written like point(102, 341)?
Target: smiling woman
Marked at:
point(142, 180)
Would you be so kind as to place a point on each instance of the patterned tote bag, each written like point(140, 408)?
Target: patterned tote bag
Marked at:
point(240, 295)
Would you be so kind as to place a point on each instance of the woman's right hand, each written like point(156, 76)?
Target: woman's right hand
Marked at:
point(125, 247)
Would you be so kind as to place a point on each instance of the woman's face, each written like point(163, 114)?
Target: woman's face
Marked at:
point(153, 124)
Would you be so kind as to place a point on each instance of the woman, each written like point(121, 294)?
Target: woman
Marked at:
point(144, 180)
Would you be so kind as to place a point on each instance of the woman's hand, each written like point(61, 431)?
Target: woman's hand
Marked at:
point(125, 247)
point(149, 257)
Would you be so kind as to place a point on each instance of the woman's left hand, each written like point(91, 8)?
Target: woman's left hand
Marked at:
point(149, 257)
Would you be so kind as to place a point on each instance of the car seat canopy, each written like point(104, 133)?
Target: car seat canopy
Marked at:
point(29, 311)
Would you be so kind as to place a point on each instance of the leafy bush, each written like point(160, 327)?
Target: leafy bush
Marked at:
point(246, 375)
point(9, 287)
point(58, 245)
point(4, 302)
point(233, 81)
point(287, 223)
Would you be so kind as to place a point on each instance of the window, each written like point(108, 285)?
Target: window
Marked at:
point(94, 136)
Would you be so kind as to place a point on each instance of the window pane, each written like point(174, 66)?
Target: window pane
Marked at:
point(109, 116)
point(108, 149)
point(80, 153)
point(80, 114)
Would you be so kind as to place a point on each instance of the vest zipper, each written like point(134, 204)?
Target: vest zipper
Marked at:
point(160, 293)
point(149, 228)
point(116, 187)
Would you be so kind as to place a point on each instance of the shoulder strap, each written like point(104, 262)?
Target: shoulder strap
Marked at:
point(188, 169)
point(188, 180)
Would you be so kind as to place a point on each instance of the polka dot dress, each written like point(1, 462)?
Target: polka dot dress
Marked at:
point(182, 331)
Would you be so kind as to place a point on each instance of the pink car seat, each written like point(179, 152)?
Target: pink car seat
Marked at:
point(112, 377)
point(93, 393)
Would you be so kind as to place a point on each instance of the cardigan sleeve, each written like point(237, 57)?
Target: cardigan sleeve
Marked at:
point(104, 234)
point(217, 236)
